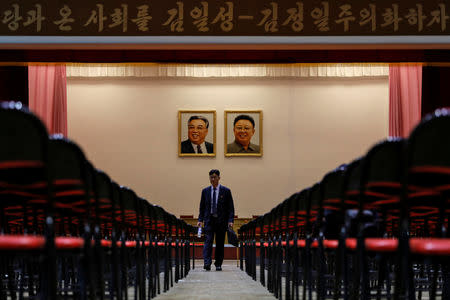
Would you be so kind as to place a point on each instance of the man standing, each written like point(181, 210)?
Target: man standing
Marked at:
point(216, 213)
point(197, 132)
point(244, 129)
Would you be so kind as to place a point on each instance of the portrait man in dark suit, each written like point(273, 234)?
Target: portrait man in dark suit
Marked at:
point(197, 132)
point(216, 215)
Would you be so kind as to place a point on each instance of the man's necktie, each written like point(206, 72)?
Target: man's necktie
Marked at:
point(214, 203)
point(199, 150)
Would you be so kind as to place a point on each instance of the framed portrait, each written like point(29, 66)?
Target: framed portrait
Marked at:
point(243, 133)
point(197, 133)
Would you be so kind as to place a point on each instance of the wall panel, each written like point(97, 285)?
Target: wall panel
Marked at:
point(128, 127)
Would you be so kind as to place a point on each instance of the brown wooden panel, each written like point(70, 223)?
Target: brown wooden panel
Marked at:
point(223, 18)
point(225, 56)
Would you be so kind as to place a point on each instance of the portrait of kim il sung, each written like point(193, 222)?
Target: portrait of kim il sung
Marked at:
point(243, 133)
point(197, 133)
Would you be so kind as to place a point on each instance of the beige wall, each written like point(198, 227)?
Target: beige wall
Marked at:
point(128, 127)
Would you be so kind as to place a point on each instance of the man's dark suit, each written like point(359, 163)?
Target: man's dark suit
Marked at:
point(212, 225)
point(186, 147)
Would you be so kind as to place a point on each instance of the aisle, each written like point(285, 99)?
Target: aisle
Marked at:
point(229, 284)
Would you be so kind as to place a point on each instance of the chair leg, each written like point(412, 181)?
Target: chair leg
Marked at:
point(382, 267)
point(115, 270)
point(254, 261)
point(288, 270)
point(124, 273)
point(364, 272)
point(434, 281)
point(177, 270)
point(262, 267)
point(100, 270)
point(182, 259)
point(446, 280)
point(280, 265)
point(321, 269)
point(193, 257)
point(339, 270)
point(307, 288)
point(157, 266)
point(11, 281)
point(170, 264)
point(296, 270)
point(241, 256)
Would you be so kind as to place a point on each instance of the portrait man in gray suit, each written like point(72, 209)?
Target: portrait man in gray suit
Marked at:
point(244, 129)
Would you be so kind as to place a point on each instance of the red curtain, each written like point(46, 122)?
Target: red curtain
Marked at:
point(405, 98)
point(48, 96)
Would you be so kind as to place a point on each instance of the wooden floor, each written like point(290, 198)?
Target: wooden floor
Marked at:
point(231, 283)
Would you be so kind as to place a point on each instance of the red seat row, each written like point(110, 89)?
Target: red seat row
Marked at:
point(376, 227)
point(68, 230)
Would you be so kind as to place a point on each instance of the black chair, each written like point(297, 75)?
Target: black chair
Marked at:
point(72, 184)
point(380, 193)
point(131, 243)
point(424, 242)
point(287, 227)
point(331, 248)
point(301, 207)
point(313, 225)
point(26, 222)
point(149, 254)
point(162, 244)
point(106, 206)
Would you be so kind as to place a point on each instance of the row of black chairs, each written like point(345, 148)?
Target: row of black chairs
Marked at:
point(67, 231)
point(376, 228)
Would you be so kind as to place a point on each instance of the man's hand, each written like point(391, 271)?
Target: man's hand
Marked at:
point(199, 224)
point(230, 225)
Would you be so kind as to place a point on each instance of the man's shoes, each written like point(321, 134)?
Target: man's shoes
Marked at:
point(218, 268)
point(207, 267)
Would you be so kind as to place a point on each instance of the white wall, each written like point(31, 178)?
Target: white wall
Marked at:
point(128, 127)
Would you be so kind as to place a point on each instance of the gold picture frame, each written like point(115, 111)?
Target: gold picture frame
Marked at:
point(191, 132)
point(243, 140)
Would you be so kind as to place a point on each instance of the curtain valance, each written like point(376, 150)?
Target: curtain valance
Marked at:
point(227, 70)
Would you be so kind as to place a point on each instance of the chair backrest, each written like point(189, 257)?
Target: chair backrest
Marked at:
point(118, 209)
point(381, 182)
point(332, 186)
point(266, 225)
point(23, 136)
point(71, 182)
point(173, 225)
point(146, 213)
point(428, 176)
point(160, 224)
point(354, 218)
point(289, 212)
point(273, 222)
point(104, 204)
point(302, 205)
point(25, 188)
point(130, 211)
point(315, 212)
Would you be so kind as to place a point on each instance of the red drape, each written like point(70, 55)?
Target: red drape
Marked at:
point(48, 96)
point(405, 98)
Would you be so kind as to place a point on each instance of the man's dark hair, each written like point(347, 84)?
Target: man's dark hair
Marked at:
point(214, 171)
point(199, 118)
point(244, 117)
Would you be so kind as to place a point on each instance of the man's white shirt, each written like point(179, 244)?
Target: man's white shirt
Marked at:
point(202, 146)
